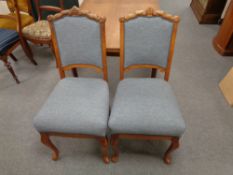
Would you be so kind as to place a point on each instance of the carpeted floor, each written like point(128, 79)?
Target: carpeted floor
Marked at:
point(206, 147)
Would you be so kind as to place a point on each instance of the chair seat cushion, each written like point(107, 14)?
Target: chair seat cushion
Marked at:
point(6, 23)
point(7, 38)
point(38, 31)
point(76, 106)
point(146, 106)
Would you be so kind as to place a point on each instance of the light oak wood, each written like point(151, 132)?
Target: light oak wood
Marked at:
point(226, 86)
point(113, 10)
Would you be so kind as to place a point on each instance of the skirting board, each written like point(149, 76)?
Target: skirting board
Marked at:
point(226, 86)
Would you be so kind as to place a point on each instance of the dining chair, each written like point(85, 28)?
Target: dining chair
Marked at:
point(67, 5)
point(24, 8)
point(19, 17)
point(39, 31)
point(146, 108)
point(77, 107)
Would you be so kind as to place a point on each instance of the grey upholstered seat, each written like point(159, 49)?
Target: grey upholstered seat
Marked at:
point(77, 105)
point(146, 106)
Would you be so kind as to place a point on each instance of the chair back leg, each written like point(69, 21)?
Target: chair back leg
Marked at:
point(27, 50)
point(10, 69)
point(114, 144)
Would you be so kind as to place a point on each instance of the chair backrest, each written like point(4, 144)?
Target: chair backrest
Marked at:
point(147, 40)
point(23, 6)
point(51, 8)
point(79, 40)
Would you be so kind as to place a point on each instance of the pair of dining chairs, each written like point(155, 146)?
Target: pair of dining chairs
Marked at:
point(143, 108)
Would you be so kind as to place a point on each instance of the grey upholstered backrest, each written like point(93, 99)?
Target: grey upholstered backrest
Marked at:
point(147, 41)
point(78, 40)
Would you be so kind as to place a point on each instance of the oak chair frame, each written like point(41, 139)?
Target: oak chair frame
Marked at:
point(148, 13)
point(75, 11)
point(115, 137)
point(45, 136)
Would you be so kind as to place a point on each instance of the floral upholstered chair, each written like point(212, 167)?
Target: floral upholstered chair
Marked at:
point(39, 31)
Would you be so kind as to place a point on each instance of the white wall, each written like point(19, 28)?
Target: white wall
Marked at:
point(3, 7)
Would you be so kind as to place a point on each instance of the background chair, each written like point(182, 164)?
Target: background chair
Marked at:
point(18, 18)
point(39, 31)
point(146, 108)
point(9, 40)
point(78, 107)
point(67, 5)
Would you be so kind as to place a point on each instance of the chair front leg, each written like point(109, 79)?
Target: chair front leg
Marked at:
point(115, 147)
point(174, 145)
point(104, 148)
point(46, 141)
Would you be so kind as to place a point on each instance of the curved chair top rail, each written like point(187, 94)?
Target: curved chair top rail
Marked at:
point(150, 13)
point(99, 23)
point(75, 11)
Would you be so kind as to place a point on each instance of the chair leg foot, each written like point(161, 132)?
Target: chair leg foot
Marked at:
point(46, 141)
point(115, 143)
point(11, 70)
point(104, 148)
point(27, 51)
point(174, 145)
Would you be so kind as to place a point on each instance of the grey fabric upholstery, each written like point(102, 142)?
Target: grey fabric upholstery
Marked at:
point(76, 105)
point(147, 41)
point(146, 106)
point(79, 41)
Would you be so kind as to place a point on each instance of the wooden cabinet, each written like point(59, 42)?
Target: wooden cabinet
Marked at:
point(208, 11)
point(223, 42)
